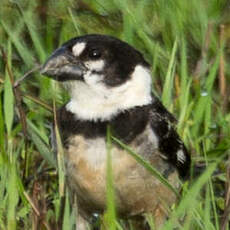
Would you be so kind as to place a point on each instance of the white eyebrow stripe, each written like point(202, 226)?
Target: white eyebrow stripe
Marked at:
point(78, 48)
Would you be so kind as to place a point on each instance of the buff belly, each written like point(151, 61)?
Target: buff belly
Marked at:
point(137, 191)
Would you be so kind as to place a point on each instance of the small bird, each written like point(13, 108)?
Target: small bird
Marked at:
point(110, 83)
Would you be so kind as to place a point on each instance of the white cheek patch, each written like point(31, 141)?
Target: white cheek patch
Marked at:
point(93, 100)
point(78, 48)
point(95, 65)
point(93, 80)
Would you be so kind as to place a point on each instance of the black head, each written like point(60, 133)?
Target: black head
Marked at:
point(88, 52)
point(101, 73)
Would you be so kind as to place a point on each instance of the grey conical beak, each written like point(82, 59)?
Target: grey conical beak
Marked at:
point(62, 66)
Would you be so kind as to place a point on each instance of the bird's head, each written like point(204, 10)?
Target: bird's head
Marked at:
point(104, 76)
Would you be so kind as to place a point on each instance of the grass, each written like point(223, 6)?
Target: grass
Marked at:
point(187, 44)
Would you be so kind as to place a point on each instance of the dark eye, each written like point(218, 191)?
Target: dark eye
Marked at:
point(95, 53)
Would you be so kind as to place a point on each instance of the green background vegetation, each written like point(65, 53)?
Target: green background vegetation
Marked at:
point(188, 45)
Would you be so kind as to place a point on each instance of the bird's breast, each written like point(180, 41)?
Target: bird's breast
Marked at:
point(86, 168)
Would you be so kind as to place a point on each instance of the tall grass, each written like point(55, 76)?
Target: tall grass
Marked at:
point(183, 42)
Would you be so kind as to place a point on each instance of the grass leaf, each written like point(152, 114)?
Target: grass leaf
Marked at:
point(149, 167)
point(43, 149)
point(110, 215)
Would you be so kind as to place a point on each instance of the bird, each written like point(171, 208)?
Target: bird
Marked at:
point(110, 84)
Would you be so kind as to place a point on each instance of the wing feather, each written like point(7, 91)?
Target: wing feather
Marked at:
point(170, 144)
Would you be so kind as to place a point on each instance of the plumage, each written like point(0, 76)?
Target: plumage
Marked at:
point(110, 84)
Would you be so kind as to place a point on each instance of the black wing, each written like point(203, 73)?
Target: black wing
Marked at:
point(170, 144)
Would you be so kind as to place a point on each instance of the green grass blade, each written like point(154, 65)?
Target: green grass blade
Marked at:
point(60, 155)
point(68, 223)
point(202, 110)
point(149, 167)
point(2, 129)
point(31, 25)
point(74, 20)
point(189, 200)
point(110, 215)
point(22, 49)
point(13, 198)
point(168, 85)
point(41, 146)
point(8, 97)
